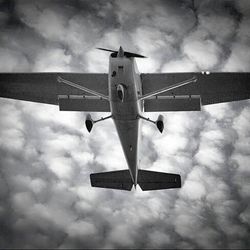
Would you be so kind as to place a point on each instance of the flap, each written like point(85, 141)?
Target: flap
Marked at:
point(92, 104)
point(172, 103)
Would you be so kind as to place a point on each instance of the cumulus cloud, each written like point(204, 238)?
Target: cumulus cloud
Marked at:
point(239, 59)
point(12, 59)
point(46, 156)
point(52, 60)
point(201, 50)
point(180, 65)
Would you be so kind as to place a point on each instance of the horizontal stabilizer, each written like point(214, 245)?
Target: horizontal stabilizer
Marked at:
point(150, 180)
point(114, 179)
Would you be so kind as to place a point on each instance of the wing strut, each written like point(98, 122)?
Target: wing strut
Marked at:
point(171, 87)
point(74, 85)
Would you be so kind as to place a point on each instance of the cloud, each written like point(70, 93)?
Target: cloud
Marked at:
point(221, 27)
point(12, 59)
point(180, 65)
point(46, 156)
point(52, 60)
point(201, 50)
point(239, 59)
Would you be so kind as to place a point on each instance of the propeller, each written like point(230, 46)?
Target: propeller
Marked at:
point(121, 53)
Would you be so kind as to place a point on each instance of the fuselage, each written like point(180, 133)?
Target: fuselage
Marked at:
point(124, 88)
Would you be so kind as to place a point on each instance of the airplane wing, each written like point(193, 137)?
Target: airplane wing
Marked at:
point(207, 89)
point(45, 88)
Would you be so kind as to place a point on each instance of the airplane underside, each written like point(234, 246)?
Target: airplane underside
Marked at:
point(126, 113)
point(127, 94)
point(128, 131)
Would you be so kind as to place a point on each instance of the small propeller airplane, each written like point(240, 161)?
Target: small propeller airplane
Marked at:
point(127, 94)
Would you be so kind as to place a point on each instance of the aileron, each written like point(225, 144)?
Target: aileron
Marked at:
point(224, 87)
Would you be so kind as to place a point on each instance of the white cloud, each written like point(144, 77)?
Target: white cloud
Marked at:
point(245, 215)
point(98, 61)
point(222, 27)
point(52, 60)
point(193, 190)
point(220, 111)
point(201, 50)
point(21, 201)
point(241, 122)
point(81, 229)
point(239, 59)
point(179, 65)
point(47, 155)
point(158, 239)
point(61, 166)
point(11, 60)
point(122, 236)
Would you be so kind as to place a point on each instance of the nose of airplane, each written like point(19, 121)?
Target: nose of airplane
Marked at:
point(120, 52)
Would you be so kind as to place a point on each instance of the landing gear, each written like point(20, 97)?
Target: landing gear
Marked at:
point(159, 122)
point(89, 122)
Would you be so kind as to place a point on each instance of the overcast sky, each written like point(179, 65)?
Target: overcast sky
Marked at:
point(46, 156)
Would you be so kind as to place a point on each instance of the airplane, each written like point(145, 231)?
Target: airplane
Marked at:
point(127, 94)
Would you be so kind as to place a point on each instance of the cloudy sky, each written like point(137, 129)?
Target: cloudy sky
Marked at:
point(46, 156)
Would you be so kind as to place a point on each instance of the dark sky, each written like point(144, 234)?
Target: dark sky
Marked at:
point(46, 156)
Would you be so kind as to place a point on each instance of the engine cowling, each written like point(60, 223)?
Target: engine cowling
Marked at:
point(89, 122)
point(159, 123)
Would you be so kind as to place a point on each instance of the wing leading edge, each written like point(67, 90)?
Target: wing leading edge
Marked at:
point(45, 88)
point(208, 89)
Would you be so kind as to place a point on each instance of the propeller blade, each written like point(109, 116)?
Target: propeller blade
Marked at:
point(126, 53)
point(109, 50)
point(130, 54)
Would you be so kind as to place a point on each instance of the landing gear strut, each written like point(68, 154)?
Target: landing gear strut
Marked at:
point(89, 122)
point(159, 122)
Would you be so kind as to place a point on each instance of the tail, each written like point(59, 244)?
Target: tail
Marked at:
point(147, 180)
point(114, 179)
point(151, 180)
